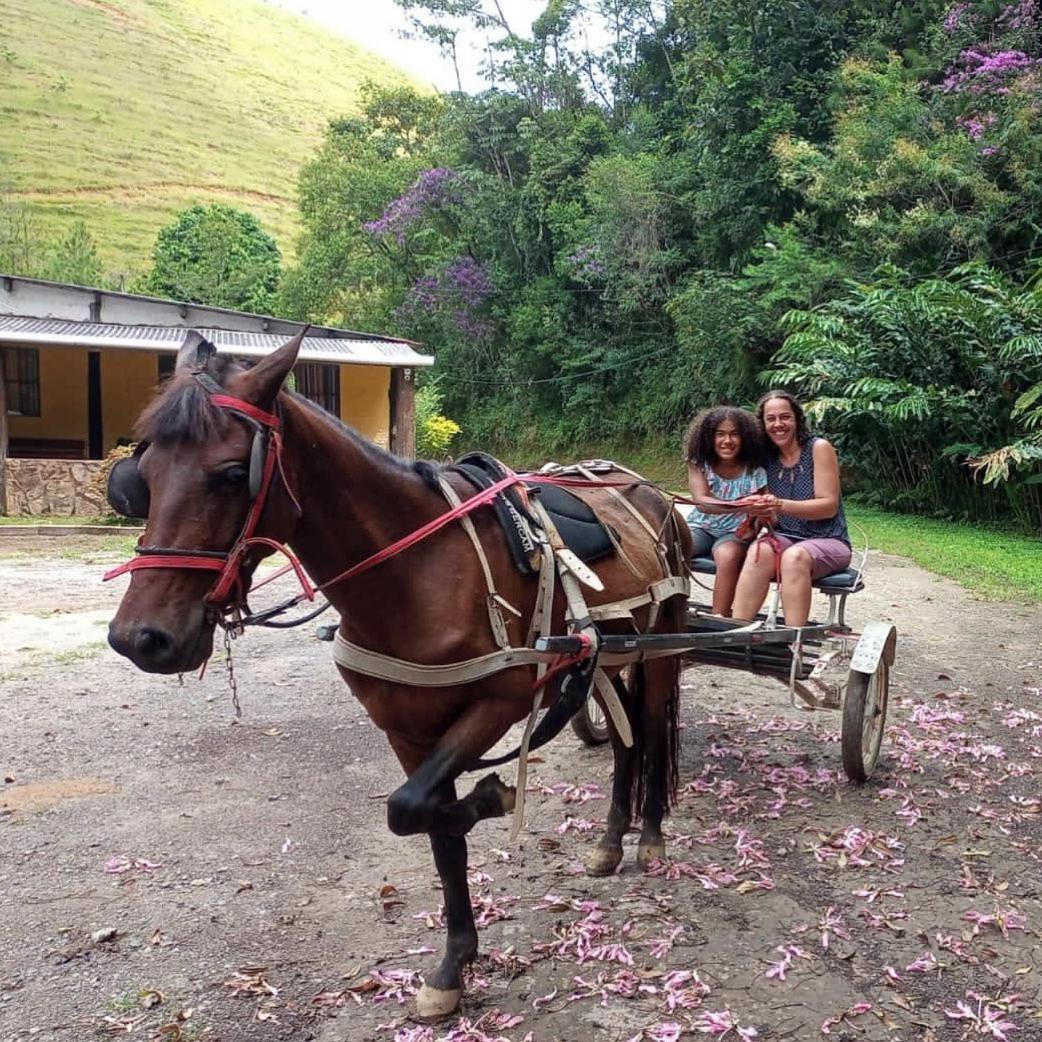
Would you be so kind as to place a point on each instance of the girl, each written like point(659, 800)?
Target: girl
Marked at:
point(723, 448)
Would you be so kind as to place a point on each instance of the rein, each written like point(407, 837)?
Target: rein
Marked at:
point(228, 594)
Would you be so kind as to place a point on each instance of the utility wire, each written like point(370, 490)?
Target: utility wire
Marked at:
point(564, 376)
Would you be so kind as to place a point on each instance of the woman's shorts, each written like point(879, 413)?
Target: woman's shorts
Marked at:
point(705, 541)
point(826, 555)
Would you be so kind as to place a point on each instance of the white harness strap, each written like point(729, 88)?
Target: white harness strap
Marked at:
point(415, 674)
point(494, 602)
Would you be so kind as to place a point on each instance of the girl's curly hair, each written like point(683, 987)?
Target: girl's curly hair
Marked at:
point(802, 429)
point(700, 444)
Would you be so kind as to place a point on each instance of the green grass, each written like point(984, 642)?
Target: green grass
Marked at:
point(998, 565)
point(22, 521)
point(100, 550)
point(122, 112)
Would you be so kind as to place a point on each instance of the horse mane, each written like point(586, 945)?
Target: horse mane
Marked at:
point(182, 411)
point(428, 470)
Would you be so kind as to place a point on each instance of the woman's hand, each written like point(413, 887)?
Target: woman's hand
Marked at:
point(764, 505)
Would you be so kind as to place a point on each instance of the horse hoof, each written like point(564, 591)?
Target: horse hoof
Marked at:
point(647, 853)
point(504, 795)
point(435, 1004)
point(601, 862)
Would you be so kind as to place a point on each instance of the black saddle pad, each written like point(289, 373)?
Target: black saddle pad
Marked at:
point(579, 527)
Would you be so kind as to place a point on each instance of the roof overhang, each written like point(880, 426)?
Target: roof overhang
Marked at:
point(34, 312)
point(96, 336)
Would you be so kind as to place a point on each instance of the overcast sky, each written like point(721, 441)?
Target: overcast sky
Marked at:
point(375, 24)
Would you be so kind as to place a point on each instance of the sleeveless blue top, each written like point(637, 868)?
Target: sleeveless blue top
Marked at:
point(797, 482)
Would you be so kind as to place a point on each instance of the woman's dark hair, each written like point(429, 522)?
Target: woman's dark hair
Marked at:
point(700, 444)
point(802, 430)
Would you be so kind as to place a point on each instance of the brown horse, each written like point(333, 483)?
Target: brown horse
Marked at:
point(335, 498)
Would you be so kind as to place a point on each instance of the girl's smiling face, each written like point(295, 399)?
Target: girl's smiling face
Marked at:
point(779, 421)
point(727, 442)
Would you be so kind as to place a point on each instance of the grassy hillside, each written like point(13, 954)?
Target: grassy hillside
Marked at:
point(124, 111)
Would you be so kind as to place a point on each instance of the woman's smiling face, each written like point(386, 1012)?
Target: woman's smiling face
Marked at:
point(779, 421)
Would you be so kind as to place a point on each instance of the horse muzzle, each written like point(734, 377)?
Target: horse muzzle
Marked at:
point(154, 648)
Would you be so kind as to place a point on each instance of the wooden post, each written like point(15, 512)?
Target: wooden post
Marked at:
point(402, 396)
point(3, 432)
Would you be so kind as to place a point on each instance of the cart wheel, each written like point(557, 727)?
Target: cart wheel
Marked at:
point(864, 718)
point(591, 723)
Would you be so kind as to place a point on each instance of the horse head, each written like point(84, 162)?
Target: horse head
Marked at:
point(207, 459)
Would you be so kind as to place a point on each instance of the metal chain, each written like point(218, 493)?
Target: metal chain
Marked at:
point(230, 667)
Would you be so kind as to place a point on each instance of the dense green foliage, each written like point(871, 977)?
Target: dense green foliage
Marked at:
point(843, 197)
point(215, 255)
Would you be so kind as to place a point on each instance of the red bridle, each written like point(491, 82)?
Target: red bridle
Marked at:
point(229, 590)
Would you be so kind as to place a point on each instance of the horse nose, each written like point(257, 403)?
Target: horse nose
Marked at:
point(148, 646)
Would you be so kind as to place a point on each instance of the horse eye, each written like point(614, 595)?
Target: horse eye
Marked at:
point(231, 476)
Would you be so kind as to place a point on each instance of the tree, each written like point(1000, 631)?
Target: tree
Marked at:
point(215, 255)
point(74, 258)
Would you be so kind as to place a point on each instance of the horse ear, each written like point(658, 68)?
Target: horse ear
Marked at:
point(196, 352)
point(263, 382)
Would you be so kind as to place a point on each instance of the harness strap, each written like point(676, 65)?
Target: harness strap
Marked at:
point(493, 601)
point(386, 667)
point(658, 592)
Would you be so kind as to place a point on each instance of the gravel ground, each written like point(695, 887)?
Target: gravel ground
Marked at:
point(169, 873)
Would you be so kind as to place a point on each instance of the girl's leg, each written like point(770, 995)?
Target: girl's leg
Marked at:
point(754, 580)
point(728, 555)
point(701, 542)
point(796, 591)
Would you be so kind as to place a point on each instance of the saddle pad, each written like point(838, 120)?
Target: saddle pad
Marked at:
point(579, 527)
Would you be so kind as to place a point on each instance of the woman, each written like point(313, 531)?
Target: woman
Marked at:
point(724, 450)
point(805, 504)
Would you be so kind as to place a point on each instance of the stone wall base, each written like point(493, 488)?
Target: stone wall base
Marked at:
point(59, 487)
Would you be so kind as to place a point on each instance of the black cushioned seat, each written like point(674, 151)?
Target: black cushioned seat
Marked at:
point(846, 581)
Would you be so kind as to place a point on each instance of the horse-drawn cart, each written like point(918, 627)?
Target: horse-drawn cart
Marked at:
point(809, 659)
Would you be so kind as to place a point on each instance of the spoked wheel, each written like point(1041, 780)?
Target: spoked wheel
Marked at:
point(591, 723)
point(864, 719)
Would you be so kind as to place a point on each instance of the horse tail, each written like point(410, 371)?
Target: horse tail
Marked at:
point(657, 768)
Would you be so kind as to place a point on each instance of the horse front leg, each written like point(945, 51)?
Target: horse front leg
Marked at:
point(427, 803)
point(605, 857)
point(441, 991)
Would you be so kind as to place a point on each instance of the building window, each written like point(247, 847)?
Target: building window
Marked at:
point(320, 383)
point(22, 376)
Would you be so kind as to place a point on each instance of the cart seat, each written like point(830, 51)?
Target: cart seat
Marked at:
point(847, 581)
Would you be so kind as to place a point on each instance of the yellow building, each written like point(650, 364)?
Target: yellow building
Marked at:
point(77, 365)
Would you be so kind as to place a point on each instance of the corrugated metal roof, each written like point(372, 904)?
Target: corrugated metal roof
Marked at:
point(15, 329)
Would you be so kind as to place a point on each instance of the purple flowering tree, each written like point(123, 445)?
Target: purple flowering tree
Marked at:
point(435, 190)
point(996, 56)
point(453, 298)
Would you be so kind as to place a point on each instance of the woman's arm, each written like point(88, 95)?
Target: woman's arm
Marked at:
point(825, 503)
point(707, 503)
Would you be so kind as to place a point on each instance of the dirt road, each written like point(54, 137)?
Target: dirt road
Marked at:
point(168, 873)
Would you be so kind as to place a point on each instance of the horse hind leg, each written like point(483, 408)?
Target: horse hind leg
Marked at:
point(657, 769)
point(605, 857)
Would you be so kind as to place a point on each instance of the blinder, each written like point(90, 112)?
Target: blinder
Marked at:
point(129, 496)
point(126, 490)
